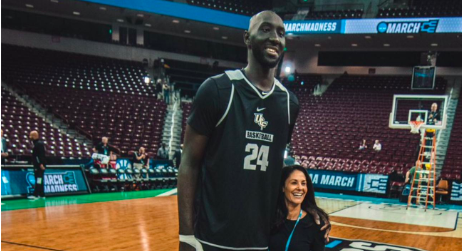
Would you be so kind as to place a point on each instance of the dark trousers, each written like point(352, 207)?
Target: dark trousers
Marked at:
point(39, 190)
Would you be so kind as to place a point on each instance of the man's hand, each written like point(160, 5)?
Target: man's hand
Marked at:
point(42, 167)
point(4, 155)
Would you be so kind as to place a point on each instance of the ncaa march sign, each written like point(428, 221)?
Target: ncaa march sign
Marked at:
point(312, 27)
point(432, 25)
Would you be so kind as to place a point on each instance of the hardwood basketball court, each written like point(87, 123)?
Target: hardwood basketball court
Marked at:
point(139, 221)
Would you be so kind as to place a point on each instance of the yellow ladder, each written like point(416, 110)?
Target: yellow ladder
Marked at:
point(423, 187)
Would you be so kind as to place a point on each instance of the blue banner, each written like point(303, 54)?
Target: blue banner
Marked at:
point(181, 10)
point(342, 181)
point(18, 182)
point(456, 192)
point(403, 25)
point(313, 26)
point(334, 180)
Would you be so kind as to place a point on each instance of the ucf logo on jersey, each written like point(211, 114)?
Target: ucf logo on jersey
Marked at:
point(260, 120)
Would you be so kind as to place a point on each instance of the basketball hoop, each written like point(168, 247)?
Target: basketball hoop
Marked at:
point(415, 126)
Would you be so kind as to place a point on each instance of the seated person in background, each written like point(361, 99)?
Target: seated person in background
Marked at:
point(377, 146)
point(163, 151)
point(103, 148)
point(295, 206)
point(140, 159)
point(363, 145)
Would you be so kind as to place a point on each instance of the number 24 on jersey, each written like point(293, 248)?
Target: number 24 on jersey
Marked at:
point(260, 154)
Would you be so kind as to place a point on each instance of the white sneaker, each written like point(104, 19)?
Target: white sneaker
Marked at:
point(31, 197)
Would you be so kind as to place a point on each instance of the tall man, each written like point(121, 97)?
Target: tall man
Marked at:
point(39, 162)
point(234, 146)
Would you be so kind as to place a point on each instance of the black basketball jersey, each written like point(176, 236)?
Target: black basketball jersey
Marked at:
point(248, 131)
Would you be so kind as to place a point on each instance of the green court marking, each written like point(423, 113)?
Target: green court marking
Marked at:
point(10, 205)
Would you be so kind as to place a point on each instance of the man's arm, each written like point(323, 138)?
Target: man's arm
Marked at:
point(407, 177)
point(194, 149)
point(41, 156)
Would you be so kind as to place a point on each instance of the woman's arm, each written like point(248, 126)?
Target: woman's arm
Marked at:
point(319, 241)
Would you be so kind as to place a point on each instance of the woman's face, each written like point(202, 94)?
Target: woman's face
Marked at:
point(295, 188)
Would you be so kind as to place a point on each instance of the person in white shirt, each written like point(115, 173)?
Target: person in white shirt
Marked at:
point(363, 145)
point(377, 146)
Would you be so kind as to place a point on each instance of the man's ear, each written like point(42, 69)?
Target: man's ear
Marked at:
point(247, 39)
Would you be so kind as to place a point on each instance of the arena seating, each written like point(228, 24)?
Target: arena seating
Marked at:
point(425, 8)
point(241, 7)
point(330, 127)
point(18, 121)
point(97, 96)
point(303, 82)
point(452, 169)
point(339, 14)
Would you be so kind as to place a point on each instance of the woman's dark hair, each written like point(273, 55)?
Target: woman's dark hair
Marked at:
point(308, 204)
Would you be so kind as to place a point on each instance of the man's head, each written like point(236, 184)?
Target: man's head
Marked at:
point(434, 107)
point(104, 140)
point(377, 141)
point(142, 149)
point(181, 146)
point(265, 39)
point(2, 133)
point(163, 145)
point(34, 135)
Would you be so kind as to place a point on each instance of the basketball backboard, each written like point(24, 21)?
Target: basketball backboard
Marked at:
point(407, 108)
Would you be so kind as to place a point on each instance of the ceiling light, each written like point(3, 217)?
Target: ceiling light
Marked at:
point(175, 21)
point(434, 45)
point(224, 37)
point(410, 36)
point(76, 13)
point(216, 28)
point(140, 15)
point(317, 45)
point(287, 69)
point(187, 31)
point(120, 20)
point(354, 45)
point(102, 8)
point(386, 45)
point(147, 25)
point(367, 37)
point(54, 1)
point(329, 37)
point(29, 6)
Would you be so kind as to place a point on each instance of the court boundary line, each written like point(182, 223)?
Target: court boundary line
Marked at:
point(392, 205)
point(31, 246)
point(436, 234)
point(168, 193)
point(91, 202)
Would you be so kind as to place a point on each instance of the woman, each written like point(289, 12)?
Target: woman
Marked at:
point(295, 228)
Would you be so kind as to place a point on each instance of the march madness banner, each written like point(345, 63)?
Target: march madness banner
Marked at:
point(369, 183)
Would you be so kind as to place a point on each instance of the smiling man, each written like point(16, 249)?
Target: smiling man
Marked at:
point(234, 146)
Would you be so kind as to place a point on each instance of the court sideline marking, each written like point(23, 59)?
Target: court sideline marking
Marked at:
point(171, 192)
point(31, 246)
